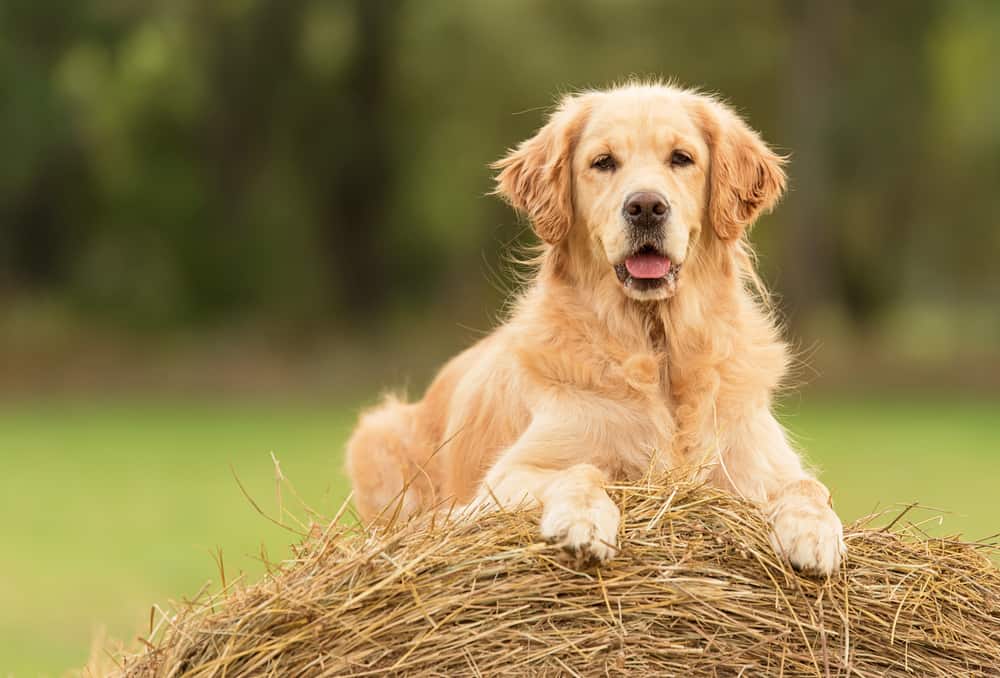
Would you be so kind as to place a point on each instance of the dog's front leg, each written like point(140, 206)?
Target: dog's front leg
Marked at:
point(546, 467)
point(761, 465)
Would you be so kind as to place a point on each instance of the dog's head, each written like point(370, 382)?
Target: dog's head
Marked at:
point(630, 177)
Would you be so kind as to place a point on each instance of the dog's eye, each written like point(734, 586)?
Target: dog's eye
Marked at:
point(681, 159)
point(604, 163)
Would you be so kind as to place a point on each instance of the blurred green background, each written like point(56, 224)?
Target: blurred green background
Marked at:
point(225, 226)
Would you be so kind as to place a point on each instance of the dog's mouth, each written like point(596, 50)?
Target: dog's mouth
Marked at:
point(647, 268)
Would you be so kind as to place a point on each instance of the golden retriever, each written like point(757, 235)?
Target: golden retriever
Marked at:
point(641, 343)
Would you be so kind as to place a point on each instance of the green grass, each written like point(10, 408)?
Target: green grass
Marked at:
point(110, 507)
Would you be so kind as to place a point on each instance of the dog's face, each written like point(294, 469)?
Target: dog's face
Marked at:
point(640, 172)
point(630, 177)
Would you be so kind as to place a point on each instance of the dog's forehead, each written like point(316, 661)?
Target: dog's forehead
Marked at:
point(641, 117)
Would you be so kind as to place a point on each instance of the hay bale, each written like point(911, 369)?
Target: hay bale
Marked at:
point(696, 590)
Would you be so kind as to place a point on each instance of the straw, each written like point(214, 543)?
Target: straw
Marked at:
point(696, 590)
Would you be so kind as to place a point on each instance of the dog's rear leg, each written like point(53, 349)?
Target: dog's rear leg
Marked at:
point(380, 462)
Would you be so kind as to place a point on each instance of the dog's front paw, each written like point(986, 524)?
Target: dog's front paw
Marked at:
point(587, 532)
point(808, 532)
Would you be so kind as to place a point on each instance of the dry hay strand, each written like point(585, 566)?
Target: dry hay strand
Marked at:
point(695, 590)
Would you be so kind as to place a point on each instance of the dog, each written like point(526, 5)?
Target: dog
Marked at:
point(642, 344)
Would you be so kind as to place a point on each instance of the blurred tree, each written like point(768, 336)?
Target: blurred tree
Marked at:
point(355, 148)
point(857, 184)
point(43, 171)
point(251, 62)
point(307, 162)
point(808, 269)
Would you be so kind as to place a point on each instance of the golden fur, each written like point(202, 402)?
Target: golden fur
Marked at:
point(590, 380)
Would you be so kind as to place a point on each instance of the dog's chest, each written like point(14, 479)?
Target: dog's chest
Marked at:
point(644, 429)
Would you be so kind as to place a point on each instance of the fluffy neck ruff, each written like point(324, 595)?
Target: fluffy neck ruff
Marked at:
point(712, 288)
point(710, 340)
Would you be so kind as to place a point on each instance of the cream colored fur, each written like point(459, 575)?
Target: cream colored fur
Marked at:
point(588, 381)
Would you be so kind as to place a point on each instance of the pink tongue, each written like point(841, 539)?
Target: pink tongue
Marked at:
point(647, 265)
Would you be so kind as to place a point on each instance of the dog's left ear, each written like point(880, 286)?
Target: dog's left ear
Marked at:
point(746, 177)
point(536, 178)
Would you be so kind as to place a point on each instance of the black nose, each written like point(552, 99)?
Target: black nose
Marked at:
point(646, 209)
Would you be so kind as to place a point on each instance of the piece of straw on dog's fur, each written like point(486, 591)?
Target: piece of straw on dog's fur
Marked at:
point(695, 590)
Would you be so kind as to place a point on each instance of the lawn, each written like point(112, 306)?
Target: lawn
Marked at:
point(109, 507)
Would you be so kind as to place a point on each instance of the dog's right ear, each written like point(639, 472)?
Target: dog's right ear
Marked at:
point(536, 178)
